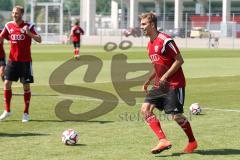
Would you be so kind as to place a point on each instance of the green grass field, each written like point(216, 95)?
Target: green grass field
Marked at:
point(212, 80)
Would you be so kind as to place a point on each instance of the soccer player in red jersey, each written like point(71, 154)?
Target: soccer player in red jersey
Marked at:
point(19, 66)
point(168, 92)
point(2, 59)
point(75, 36)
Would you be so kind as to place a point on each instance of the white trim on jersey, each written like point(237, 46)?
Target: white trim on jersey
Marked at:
point(30, 25)
point(173, 48)
point(164, 44)
point(7, 29)
point(6, 26)
point(163, 37)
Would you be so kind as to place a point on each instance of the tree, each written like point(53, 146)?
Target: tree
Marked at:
point(5, 5)
point(72, 6)
point(103, 6)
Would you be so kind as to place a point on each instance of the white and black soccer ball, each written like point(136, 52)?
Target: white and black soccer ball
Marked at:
point(195, 109)
point(69, 137)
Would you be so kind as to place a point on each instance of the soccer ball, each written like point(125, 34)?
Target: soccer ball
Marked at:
point(69, 137)
point(195, 109)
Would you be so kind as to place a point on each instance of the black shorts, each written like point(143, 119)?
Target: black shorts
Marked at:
point(2, 62)
point(76, 44)
point(171, 101)
point(15, 70)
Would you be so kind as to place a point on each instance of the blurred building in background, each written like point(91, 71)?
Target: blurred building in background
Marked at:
point(203, 19)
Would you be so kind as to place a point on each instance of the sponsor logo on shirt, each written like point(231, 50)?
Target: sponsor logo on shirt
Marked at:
point(154, 57)
point(11, 30)
point(17, 37)
point(22, 30)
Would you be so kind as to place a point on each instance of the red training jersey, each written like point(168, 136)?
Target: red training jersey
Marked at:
point(162, 51)
point(76, 33)
point(2, 52)
point(20, 42)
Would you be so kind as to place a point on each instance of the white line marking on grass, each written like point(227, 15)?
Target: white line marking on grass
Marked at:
point(224, 110)
point(122, 102)
point(77, 84)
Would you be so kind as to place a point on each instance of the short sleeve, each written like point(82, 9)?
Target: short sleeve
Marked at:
point(32, 29)
point(171, 48)
point(5, 33)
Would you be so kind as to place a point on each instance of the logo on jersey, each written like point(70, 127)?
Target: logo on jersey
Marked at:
point(156, 49)
point(77, 31)
point(154, 57)
point(17, 37)
point(22, 30)
point(11, 31)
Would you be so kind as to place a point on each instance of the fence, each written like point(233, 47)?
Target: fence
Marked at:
point(196, 32)
point(54, 24)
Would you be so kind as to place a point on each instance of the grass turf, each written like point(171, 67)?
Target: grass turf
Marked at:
point(212, 80)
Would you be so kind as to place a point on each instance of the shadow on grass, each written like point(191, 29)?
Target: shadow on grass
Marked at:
point(38, 95)
point(207, 152)
point(101, 122)
point(35, 94)
point(57, 121)
point(218, 152)
point(78, 145)
point(25, 134)
point(170, 155)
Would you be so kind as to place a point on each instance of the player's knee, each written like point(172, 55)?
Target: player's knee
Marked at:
point(145, 109)
point(7, 85)
point(2, 71)
point(178, 117)
point(26, 87)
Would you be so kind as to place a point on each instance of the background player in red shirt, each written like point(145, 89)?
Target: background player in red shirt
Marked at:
point(20, 35)
point(2, 59)
point(75, 36)
point(168, 92)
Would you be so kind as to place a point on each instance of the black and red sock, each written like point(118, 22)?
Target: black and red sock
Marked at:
point(7, 99)
point(185, 125)
point(27, 97)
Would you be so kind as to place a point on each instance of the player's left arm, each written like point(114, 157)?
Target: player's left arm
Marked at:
point(172, 49)
point(31, 33)
point(148, 81)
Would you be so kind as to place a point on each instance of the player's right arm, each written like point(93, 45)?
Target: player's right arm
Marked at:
point(148, 81)
point(4, 34)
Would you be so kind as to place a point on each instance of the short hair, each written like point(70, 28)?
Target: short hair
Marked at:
point(152, 18)
point(76, 22)
point(20, 8)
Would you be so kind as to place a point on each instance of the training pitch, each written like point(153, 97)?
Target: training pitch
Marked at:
point(121, 134)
